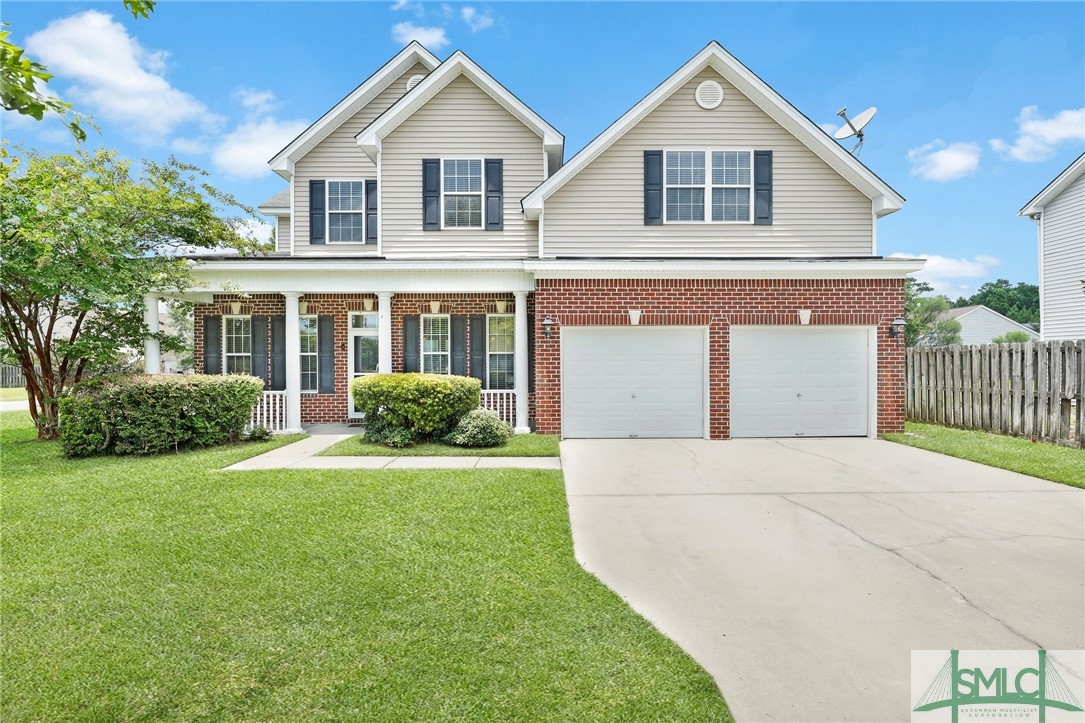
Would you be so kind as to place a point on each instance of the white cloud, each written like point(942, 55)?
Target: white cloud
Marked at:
point(244, 151)
point(253, 229)
point(256, 101)
point(936, 161)
point(953, 277)
point(432, 37)
point(475, 20)
point(415, 7)
point(116, 78)
point(1037, 136)
point(189, 146)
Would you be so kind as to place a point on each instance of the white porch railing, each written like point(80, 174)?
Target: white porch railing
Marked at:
point(269, 412)
point(502, 401)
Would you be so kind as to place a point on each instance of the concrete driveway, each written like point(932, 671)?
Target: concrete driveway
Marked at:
point(802, 573)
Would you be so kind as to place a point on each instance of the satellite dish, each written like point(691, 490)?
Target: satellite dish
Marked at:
point(854, 126)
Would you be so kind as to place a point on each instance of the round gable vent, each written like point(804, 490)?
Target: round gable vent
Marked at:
point(413, 81)
point(709, 94)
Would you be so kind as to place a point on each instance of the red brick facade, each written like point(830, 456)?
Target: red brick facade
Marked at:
point(713, 303)
point(717, 304)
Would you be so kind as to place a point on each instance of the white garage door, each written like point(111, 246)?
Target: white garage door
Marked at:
point(799, 381)
point(632, 382)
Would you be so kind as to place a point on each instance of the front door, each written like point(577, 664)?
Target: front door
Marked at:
point(362, 351)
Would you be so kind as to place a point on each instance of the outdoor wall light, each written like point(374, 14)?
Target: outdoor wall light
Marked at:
point(547, 325)
point(896, 327)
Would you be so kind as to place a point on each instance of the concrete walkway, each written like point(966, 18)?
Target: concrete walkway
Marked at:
point(802, 573)
point(22, 406)
point(303, 455)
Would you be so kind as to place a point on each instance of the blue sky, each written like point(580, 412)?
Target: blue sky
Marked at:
point(979, 104)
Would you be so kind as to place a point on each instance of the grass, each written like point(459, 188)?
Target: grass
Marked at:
point(1038, 459)
point(519, 445)
point(163, 588)
point(12, 394)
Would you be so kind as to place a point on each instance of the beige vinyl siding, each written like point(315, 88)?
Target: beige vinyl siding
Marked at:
point(600, 211)
point(282, 234)
point(338, 157)
point(1062, 303)
point(461, 121)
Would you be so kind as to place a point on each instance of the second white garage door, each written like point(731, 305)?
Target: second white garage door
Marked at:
point(635, 381)
point(794, 381)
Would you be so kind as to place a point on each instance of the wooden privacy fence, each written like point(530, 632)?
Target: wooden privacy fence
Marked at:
point(11, 376)
point(1028, 390)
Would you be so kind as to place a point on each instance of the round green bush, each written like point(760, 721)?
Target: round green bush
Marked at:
point(479, 428)
point(427, 405)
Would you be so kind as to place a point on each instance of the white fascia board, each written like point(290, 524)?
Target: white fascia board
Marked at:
point(352, 281)
point(274, 210)
point(1053, 189)
point(736, 269)
point(886, 199)
point(369, 139)
point(283, 161)
point(309, 264)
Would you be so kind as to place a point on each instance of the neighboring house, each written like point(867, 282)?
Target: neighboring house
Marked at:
point(652, 286)
point(980, 324)
point(1059, 213)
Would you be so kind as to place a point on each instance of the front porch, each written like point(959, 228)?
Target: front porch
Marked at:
point(308, 347)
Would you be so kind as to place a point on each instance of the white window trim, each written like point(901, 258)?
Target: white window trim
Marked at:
point(328, 210)
point(481, 194)
point(314, 354)
point(368, 332)
point(509, 353)
point(225, 355)
point(708, 185)
point(422, 353)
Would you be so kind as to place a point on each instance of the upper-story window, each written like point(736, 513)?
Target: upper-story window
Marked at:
point(461, 185)
point(727, 185)
point(346, 211)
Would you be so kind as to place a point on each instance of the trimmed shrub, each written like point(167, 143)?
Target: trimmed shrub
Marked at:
point(427, 405)
point(479, 428)
point(378, 431)
point(148, 414)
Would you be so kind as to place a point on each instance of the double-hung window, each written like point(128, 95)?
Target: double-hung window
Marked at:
point(500, 345)
point(435, 344)
point(237, 344)
point(308, 329)
point(346, 211)
point(461, 186)
point(724, 178)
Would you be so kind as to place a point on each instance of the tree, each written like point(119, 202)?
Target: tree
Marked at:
point(19, 78)
point(83, 238)
point(1019, 302)
point(1012, 337)
point(925, 325)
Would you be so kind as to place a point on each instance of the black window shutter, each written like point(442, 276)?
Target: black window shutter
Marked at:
point(494, 194)
point(258, 340)
point(762, 187)
point(411, 333)
point(371, 212)
point(316, 212)
point(325, 354)
point(212, 345)
point(278, 353)
point(478, 348)
point(431, 194)
point(458, 332)
point(530, 353)
point(653, 188)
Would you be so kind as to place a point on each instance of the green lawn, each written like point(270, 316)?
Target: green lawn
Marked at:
point(1039, 459)
point(16, 394)
point(520, 445)
point(165, 589)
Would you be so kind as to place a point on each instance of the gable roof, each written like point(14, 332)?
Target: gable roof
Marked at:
point(885, 199)
point(457, 64)
point(283, 161)
point(963, 311)
point(1053, 189)
point(277, 205)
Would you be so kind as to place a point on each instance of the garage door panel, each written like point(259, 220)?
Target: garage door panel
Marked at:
point(799, 381)
point(633, 382)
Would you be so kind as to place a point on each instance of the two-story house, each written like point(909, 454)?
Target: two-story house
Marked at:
point(706, 267)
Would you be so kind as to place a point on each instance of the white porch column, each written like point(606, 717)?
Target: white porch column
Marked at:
point(152, 353)
point(384, 332)
point(293, 363)
point(519, 363)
